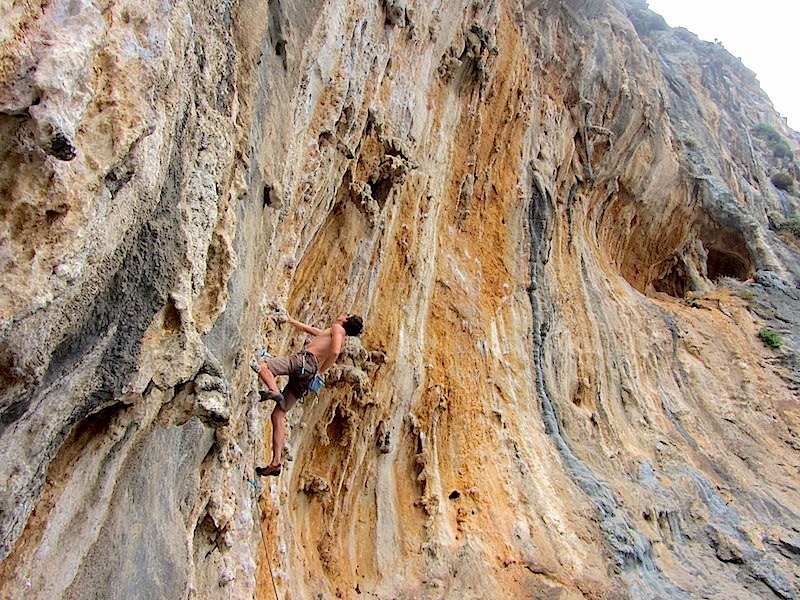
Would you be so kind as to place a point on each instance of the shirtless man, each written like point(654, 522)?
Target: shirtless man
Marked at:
point(317, 356)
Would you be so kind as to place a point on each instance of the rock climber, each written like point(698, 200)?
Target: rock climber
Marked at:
point(313, 360)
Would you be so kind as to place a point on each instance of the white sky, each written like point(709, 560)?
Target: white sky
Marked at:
point(764, 34)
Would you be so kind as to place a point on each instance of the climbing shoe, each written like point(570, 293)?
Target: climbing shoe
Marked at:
point(270, 395)
point(269, 471)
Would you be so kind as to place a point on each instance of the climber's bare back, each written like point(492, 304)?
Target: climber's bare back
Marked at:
point(327, 344)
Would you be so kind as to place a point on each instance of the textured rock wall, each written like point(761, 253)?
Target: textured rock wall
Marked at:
point(557, 221)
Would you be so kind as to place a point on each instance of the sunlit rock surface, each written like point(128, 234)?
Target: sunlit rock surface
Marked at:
point(558, 221)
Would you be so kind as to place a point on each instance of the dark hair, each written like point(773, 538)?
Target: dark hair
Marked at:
point(354, 325)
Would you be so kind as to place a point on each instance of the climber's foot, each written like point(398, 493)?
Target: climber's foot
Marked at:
point(269, 471)
point(270, 395)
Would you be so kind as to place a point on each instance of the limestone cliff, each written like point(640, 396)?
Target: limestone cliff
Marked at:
point(565, 224)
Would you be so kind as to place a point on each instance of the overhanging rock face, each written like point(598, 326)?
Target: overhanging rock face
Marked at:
point(558, 220)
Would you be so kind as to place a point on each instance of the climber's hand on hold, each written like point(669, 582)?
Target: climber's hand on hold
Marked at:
point(279, 315)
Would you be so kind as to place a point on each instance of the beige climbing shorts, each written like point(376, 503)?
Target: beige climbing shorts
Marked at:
point(300, 368)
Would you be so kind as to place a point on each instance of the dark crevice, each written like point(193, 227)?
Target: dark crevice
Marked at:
point(714, 256)
point(267, 198)
point(117, 178)
point(337, 428)
point(673, 253)
point(675, 283)
point(380, 191)
point(726, 264)
point(276, 34)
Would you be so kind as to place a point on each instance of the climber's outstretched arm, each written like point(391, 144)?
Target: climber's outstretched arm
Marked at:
point(302, 326)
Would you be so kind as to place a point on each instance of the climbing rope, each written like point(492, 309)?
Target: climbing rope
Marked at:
point(266, 551)
point(261, 527)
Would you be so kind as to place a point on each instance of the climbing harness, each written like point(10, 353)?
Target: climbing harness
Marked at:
point(315, 383)
point(303, 385)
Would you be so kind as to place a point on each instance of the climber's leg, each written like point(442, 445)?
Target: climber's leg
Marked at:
point(278, 434)
point(267, 374)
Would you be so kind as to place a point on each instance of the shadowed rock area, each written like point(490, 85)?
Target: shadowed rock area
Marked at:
point(573, 233)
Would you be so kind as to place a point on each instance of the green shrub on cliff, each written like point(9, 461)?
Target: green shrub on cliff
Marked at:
point(782, 181)
point(781, 149)
point(775, 142)
point(766, 132)
point(770, 337)
point(792, 225)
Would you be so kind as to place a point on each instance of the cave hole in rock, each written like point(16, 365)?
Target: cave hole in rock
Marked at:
point(172, 317)
point(206, 536)
point(52, 215)
point(267, 197)
point(675, 283)
point(380, 191)
point(338, 427)
point(715, 256)
point(726, 264)
point(85, 431)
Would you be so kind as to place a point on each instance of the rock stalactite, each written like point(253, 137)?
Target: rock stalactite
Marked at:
point(572, 232)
